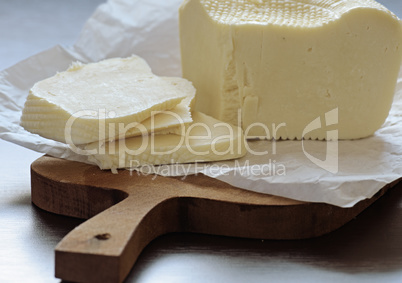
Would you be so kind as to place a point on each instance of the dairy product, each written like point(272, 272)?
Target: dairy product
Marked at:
point(277, 66)
point(206, 139)
point(105, 100)
point(171, 121)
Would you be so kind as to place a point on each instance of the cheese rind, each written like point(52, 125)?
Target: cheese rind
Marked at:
point(206, 139)
point(99, 101)
point(290, 62)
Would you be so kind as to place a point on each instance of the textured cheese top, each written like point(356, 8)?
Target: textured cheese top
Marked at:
point(294, 13)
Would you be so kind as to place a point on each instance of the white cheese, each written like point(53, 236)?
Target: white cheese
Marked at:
point(284, 64)
point(206, 139)
point(104, 100)
point(171, 121)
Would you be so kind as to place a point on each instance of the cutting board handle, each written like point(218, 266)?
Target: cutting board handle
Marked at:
point(109, 243)
point(131, 210)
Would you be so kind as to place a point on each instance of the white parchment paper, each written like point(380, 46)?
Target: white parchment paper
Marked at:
point(349, 171)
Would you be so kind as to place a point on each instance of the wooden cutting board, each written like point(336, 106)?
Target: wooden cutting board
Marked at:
point(126, 211)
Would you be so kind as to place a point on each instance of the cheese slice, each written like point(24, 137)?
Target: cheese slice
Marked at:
point(102, 101)
point(206, 139)
point(169, 121)
point(288, 69)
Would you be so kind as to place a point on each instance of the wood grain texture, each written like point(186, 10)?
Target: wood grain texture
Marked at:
point(127, 211)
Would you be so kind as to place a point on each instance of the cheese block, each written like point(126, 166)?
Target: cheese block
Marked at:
point(103, 101)
point(292, 69)
point(206, 139)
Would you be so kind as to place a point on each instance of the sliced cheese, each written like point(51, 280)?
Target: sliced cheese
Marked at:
point(169, 121)
point(101, 101)
point(206, 139)
point(281, 66)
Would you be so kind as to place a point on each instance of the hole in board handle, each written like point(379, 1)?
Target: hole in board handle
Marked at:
point(103, 237)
